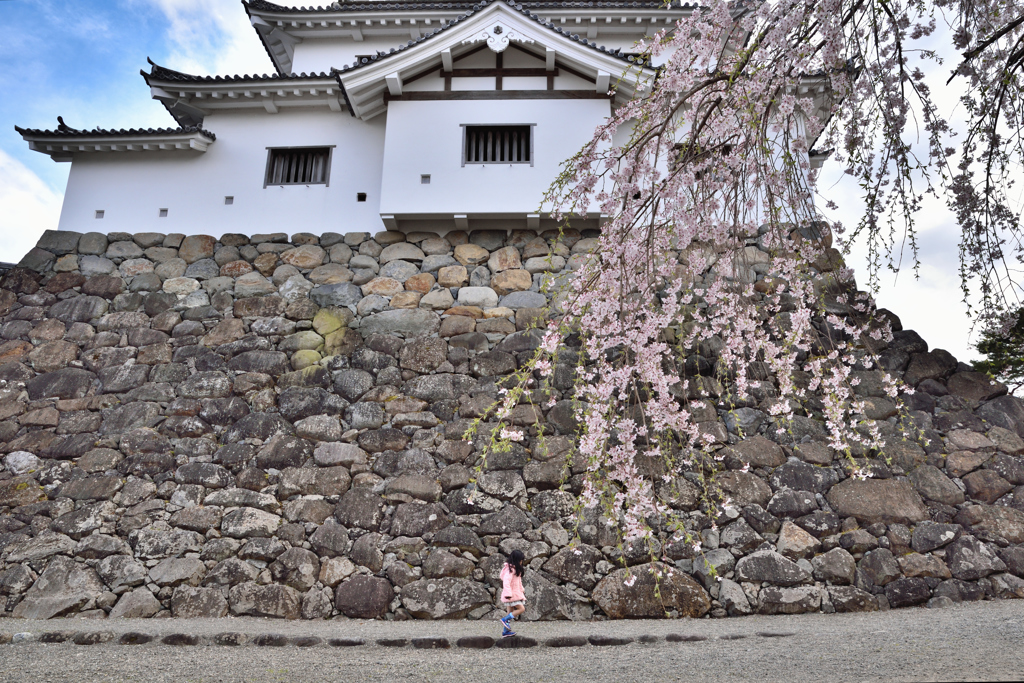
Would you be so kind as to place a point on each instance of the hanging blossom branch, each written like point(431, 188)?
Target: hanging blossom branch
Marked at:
point(991, 34)
point(668, 318)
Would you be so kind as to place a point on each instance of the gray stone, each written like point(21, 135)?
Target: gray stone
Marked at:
point(249, 522)
point(157, 544)
point(929, 536)
point(178, 570)
point(851, 599)
point(98, 546)
point(517, 300)
point(79, 309)
point(341, 294)
point(136, 604)
point(446, 598)
point(96, 265)
point(281, 602)
point(189, 602)
point(802, 476)
point(649, 591)
point(39, 547)
point(364, 597)
point(413, 519)
point(93, 243)
point(297, 568)
point(575, 565)
point(508, 520)
point(360, 508)
point(970, 559)
point(799, 600)
point(547, 601)
point(932, 484)
point(63, 587)
point(836, 567)
point(121, 570)
point(768, 565)
point(713, 565)
point(410, 322)
point(330, 540)
point(732, 597)
point(231, 572)
point(890, 501)
point(907, 592)
point(880, 567)
point(37, 259)
point(239, 497)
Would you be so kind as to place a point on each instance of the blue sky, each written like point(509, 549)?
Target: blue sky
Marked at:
point(81, 59)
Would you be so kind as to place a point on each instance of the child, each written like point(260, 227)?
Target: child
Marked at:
point(512, 596)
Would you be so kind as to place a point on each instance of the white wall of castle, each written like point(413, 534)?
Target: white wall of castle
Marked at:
point(425, 138)
point(131, 187)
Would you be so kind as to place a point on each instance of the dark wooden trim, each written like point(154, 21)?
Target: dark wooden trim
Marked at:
point(497, 95)
point(499, 62)
point(470, 73)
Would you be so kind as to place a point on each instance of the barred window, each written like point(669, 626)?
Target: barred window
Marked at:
point(298, 166)
point(498, 144)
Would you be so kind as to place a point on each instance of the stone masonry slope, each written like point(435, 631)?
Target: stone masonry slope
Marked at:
point(270, 426)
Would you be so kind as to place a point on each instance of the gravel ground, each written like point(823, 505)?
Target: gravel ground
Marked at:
point(980, 641)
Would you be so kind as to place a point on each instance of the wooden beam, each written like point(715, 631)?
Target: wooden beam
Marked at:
point(489, 73)
point(498, 95)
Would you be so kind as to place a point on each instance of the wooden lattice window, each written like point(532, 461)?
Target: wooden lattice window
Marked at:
point(497, 144)
point(298, 166)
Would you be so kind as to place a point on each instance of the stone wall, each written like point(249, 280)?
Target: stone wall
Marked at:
point(258, 426)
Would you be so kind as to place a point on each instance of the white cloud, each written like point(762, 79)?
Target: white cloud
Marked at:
point(930, 303)
point(30, 207)
point(212, 37)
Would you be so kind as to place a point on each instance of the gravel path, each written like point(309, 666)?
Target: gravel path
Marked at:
point(980, 641)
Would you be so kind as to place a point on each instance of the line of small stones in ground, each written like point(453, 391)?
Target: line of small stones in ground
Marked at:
point(428, 643)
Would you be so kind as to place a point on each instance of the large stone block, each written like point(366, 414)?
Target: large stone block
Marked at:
point(447, 598)
point(889, 501)
point(649, 591)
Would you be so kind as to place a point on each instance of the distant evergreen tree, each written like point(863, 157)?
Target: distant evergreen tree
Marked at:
point(1003, 344)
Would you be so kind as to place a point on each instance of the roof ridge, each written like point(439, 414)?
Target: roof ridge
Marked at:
point(162, 73)
point(67, 132)
point(478, 6)
point(264, 5)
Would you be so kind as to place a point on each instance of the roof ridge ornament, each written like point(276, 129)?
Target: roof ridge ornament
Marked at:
point(498, 36)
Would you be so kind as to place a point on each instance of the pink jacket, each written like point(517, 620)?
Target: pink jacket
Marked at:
point(512, 585)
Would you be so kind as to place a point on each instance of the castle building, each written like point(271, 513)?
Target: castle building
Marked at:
point(381, 115)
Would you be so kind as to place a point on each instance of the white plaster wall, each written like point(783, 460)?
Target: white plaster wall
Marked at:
point(315, 55)
point(131, 187)
point(426, 138)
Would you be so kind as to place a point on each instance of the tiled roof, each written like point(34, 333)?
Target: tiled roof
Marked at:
point(162, 73)
point(64, 131)
point(264, 6)
point(476, 8)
